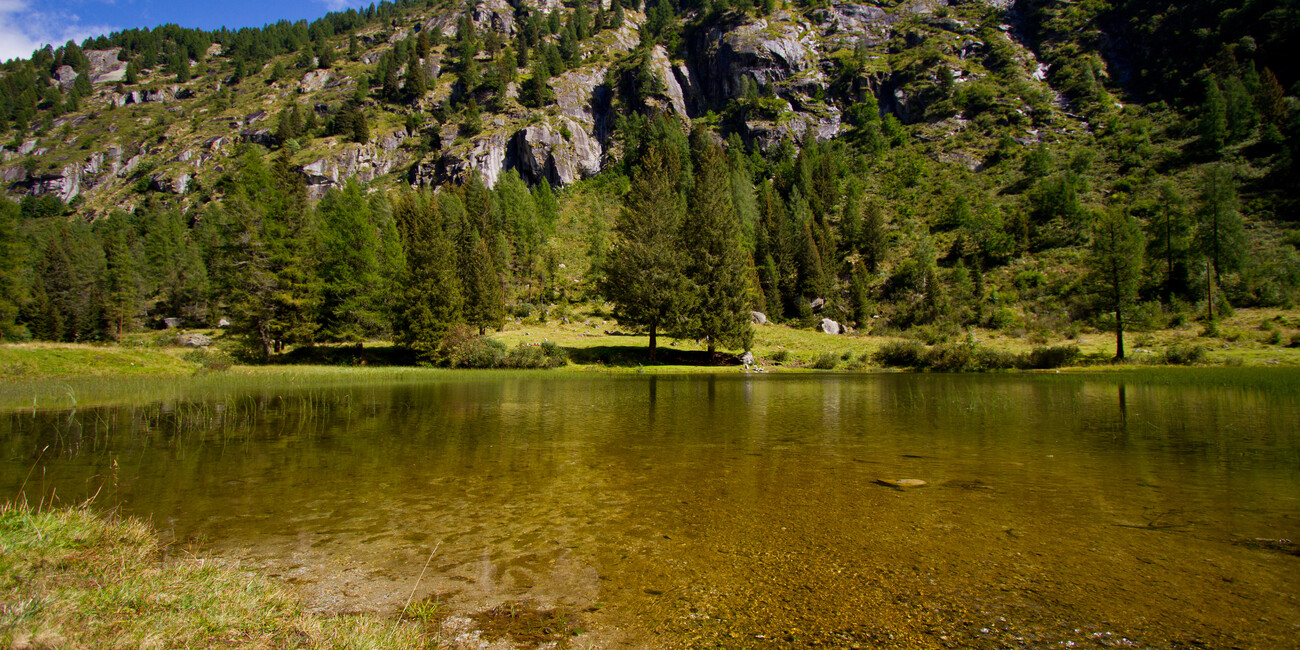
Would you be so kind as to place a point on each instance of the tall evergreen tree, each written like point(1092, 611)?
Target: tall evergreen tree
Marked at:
point(644, 271)
point(430, 300)
point(122, 293)
point(1170, 239)
point(1220, 235)
point(717, 264)
point(484, 305)
point(1115, 266)
point(1214, 117)
point(348, 262)
point(417, 83)
point(11, 295)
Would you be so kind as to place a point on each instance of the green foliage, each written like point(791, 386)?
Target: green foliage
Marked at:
point(430, 302)
point(348, 267)
point(1115, 263)
point(11, 288)
point(717, 265)
point(644, 273)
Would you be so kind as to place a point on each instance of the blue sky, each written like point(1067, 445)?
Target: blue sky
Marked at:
point(26, 25)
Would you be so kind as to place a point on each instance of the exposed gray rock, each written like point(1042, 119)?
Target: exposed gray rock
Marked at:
point(747, 359)
point(105, 68)
point(16, 174)
point(192, 339)
point(263, 137)
point(315, 80)
point(844, 24)
point(758, 318)
point(362, 162)
point(66, 77)
point(561, 154)
point(767, 51)
point(666, 73)
point(487, 155)
point(831, 327)
point(27, 147)
point(496, 15)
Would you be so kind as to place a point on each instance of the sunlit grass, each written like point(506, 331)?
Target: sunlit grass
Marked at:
point(70, 578)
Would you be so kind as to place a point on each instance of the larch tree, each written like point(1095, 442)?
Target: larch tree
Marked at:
point(1115, 266)
point(1220, 235)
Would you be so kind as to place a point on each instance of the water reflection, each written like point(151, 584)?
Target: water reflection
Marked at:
point(698, 508)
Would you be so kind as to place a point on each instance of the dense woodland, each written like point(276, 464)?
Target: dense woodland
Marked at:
point(1175, 200)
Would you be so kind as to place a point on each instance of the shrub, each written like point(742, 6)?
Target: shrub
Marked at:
point(209, 360)
point(901, 354)
point(780, 356)
point(1045, 357)
point(1183, 355)
point(1003, 319)
point(477, 352)
point(536, 356)
point(826, 361)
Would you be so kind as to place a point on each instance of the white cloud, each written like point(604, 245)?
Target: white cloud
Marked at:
point(23, 30)
point(332, 5)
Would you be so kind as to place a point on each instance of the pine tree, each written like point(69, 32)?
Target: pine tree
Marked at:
point(348, 262)
point(644, 271)
point(717, 265)
point(265, 258)
point(430, 301)
point(416, 81)
point(1214, 117)
point(11, 294)
point(1115, 266)
point(122, 299)
point(484, 305)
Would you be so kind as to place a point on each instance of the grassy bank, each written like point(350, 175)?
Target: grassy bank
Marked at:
point(594, 343)
point(71, 578)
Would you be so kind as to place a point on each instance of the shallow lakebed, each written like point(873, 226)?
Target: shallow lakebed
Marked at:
point(646, 511)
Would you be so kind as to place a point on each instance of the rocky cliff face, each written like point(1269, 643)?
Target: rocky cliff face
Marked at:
point(788, 56)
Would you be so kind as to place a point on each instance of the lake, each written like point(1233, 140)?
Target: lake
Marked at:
point(1109, 510)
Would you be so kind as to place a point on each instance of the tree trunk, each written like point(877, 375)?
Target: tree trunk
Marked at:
point(653, 338)
point(1209, 291)
point(1119, 333)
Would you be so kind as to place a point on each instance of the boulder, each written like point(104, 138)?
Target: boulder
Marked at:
point(105, 68)
point(831, 327)
point(263, 137)
point(66, 77)
point(758, 318)
point(901, 483)
point(192, 340)
point(747, 359)
point(314, 81)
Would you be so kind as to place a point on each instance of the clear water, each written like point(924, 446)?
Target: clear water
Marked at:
point(732, 510)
